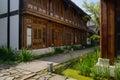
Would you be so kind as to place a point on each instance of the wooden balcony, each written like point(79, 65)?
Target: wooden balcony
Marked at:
point(32, 8)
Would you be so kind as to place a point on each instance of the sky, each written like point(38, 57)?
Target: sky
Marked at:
point(80, 2)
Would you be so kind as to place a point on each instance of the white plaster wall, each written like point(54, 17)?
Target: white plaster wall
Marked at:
point(3, 6)
point(14, 5)
point(3, 32)
point(14, 32)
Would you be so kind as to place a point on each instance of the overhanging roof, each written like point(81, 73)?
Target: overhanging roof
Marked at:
point(78, 10)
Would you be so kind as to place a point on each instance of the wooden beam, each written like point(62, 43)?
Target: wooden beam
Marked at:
point(108, 30)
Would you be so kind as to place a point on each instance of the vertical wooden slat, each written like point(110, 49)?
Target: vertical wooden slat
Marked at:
point(104, 38)
point(111, 29)
point(47, 34)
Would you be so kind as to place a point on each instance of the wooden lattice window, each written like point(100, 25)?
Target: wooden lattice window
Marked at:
point(35, 33)
point(39, 34)
point(61, 37)
point(44, 37)
point(53, 36)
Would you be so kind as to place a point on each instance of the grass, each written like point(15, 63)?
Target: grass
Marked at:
point(80, 68)
point(7, 54)
point(86, 62)
point(100, 73)
point(25, 55)
point(75, 74)
point(117, 71)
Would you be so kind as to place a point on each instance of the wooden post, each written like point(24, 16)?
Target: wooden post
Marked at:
point(107, 30)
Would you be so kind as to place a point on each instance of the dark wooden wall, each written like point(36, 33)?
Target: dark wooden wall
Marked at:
point(62, 24)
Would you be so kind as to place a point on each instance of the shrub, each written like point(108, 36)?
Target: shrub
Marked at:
point(95, 37)
point(74, 47)
point(24, 55)
point(7, 54)
point(58, 51)
point(117, 71)
point(67, 48)
point(85, 64)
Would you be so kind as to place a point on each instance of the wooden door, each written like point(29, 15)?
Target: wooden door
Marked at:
point(57, 37)
point(37, 37)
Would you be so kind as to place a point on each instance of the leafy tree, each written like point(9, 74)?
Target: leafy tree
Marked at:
point(93, 8)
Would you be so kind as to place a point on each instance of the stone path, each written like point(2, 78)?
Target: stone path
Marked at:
point(34, 70)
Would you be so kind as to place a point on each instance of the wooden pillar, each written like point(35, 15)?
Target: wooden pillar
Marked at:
point(107, 30)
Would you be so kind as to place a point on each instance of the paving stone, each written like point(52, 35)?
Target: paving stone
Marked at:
point(16, 76)
point(36, 77)
point(26, 72)
point(7, 70)
point(20, 70)
point(4, 74)
point(4, 77)
point(42, 78)
point(31, 79)
point(1, 74)
point(20, 74)
point(53, 74)
point(71, 79)
point(48, 76)
point(3, 71)
point(57, 77)
point(27, 76)
point(13, 71)
point(9, 78)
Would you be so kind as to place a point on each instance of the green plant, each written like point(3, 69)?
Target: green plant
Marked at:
point(58, 51)
point(81, 66)
point(85, 64)
point(95, 39)
point(117, 71)
point(7, 54)
point(100, 72)
point(25, 55)
point(67, 48)
point(87, 61)
point(74, 47)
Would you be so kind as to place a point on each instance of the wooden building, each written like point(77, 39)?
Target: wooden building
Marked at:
point(41, 23)
point(110, 29)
